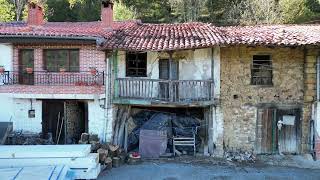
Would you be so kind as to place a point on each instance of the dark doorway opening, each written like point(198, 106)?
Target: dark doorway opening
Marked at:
point(65, 120)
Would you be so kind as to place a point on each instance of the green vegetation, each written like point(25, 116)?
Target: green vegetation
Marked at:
point(220, 12)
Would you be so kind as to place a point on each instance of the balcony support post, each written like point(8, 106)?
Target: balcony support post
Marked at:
point(171, 98)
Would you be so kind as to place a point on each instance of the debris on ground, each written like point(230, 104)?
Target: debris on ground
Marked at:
point(19, 138)
point(240, 156)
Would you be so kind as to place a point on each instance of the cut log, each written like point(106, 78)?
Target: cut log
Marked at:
point(108, 163)
point(84, 137)
point(115, 162)
point(103, 154)
point(114, 150)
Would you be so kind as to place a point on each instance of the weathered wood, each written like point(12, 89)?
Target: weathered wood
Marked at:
point(115, 162)
point(103, 154)
point(84, 137)
point(167, 90)
point(108, 163)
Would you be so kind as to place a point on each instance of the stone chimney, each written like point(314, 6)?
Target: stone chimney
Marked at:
point(107, 14)
point(35, 14)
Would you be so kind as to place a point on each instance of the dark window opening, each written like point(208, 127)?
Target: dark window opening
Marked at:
point(261, 70)
point(136, 64)
point(58, 59)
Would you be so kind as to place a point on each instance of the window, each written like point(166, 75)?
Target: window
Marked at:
point(57, 59)
point(261, 70)
point(136, 64)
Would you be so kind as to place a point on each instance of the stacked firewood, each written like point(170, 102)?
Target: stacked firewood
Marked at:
point(109, 155)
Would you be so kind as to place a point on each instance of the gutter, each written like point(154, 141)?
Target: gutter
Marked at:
point(98, 40)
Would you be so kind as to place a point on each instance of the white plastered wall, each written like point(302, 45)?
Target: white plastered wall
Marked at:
point(96, 118)
point(193, 64)
point(6, 102)
point(20, 118)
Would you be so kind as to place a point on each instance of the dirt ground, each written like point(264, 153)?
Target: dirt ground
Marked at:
point(206, 168)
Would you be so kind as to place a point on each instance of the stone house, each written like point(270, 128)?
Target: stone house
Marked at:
point(245, 88)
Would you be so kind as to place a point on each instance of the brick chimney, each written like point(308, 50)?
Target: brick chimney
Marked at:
point(107, 14)
point(35, 14)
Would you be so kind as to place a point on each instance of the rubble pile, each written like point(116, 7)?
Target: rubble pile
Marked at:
point(240, 156)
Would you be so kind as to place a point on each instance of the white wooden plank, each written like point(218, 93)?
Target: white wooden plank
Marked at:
point(82, 162)
point(38, 173)
point(43, 151)
point(87, 173)
point(9, 173)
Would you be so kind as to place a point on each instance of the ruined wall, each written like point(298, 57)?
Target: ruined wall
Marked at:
point(239, 99)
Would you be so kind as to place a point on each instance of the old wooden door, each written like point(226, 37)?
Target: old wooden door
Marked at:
point(164, 74)
point(52, 120)
point(289, 132)
point(266, 131)
point(26, 60)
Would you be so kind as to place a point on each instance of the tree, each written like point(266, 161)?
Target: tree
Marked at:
point(152, 11)
point(19, 6)
point(122, 12)
point(189, 10)
point(6, 11)
point(249, 12)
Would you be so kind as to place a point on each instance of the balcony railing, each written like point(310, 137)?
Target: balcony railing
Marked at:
point(167, 91)
point(52, 78)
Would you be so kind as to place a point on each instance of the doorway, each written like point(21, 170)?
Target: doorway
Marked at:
point(26, 60)
point(278, 131)
point(65, 120)
point(164, 74)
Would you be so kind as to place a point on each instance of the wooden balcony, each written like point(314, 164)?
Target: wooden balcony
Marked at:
point(139, 91)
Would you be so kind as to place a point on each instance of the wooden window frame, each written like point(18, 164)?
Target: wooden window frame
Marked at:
point(136, 68)
point(258, 80)
point(67, 70)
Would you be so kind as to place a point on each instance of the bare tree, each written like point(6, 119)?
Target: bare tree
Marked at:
point(249, 12)
point(188, 10)
point(19, 6)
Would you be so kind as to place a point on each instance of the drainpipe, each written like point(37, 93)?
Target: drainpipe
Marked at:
point(107, 95)
point(318, 78)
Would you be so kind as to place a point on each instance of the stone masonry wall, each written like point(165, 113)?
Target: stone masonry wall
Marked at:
point(310, 81)
point(239, 99)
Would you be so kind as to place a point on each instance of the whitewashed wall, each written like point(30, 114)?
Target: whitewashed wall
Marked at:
point(96, 119)
point(6, 51)
point(193, 64)
point(6, 108)
point(20, 118)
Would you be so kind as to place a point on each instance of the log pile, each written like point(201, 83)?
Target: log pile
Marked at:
point(110, 155)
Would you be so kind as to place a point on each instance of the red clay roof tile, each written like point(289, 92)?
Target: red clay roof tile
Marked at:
point(136, 36)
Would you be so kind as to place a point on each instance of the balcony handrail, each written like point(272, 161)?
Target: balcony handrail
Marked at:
point(174, 91)
point(80, 78)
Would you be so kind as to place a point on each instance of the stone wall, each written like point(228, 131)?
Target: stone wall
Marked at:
point(239, 99)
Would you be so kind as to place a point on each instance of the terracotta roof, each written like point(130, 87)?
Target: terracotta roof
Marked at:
point(158, 37)
point(60, 29)
point(288, 35)
point(137, 36)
